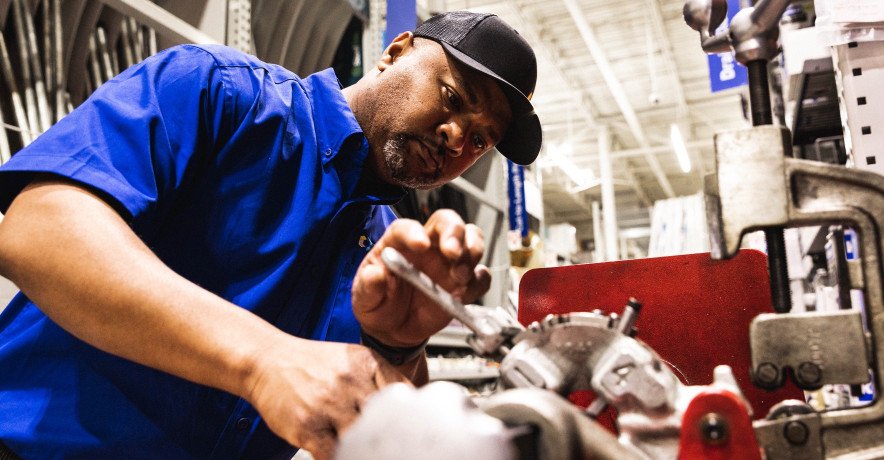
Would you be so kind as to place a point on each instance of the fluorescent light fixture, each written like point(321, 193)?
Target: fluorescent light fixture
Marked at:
point(681, 152)
point(561, 157)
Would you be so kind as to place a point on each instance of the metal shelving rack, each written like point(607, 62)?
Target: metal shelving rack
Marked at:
point(860, 74)
point(450, 358)
point(54, 53)
point(58, 51)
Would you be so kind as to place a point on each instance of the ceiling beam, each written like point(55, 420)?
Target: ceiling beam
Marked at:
point(655, 149)
point(165, 23)
point(700, 104)
point(661, 148)
point(530, 32)
point(616, 88)
point(659, 27)
point(634, 182)
point(665, 44)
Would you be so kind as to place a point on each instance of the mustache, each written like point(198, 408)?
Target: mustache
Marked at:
point(435, 146)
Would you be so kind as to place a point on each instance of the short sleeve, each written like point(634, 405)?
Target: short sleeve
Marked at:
point(134, 139)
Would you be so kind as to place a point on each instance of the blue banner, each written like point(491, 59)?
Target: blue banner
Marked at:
point(516, 191)
point(401, 17)
point(724, 70)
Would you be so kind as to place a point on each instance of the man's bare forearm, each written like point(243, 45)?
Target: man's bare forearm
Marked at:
point(83, 266)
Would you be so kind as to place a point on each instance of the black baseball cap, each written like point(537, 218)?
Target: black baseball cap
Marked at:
point(485, 43)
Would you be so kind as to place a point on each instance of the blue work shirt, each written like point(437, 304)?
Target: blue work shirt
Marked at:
point(243, 178)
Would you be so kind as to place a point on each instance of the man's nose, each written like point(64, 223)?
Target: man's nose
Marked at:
point(452, 133)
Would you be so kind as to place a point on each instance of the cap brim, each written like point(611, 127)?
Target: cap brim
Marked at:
point(522, 140)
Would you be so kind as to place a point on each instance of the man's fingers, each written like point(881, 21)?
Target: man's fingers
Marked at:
point(479, 284)
point(474, 241)
point(474, 249)
point(405, 234)
point(446, 228)
point(370, 286)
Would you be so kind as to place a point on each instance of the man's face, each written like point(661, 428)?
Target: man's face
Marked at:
point(431, 117)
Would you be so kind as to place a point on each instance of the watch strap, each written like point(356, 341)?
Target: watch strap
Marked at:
point(396, 356)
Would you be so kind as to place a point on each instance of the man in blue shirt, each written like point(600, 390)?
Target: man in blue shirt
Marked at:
point(197, 244)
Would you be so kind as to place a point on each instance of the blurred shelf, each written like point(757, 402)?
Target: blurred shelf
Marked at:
point(451, 336)
point(474, 374)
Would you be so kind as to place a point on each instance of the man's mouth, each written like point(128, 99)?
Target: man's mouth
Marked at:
point(428, 155)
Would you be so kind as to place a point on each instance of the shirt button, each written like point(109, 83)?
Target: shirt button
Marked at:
point(243, 424)
point(328, 152)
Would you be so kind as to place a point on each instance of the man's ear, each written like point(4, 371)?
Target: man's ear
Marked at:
point(401, 45)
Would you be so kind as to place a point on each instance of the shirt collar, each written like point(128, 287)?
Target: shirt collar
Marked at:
point(334, 124)
point(333, 120)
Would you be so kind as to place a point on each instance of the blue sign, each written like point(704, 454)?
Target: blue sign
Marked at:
point(516, 191)
point(401, 17)
point(724, 70)
point(851, 249)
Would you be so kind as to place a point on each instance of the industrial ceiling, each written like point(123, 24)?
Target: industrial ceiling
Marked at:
point(632, 67)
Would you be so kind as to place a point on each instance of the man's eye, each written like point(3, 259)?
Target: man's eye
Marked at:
point(479, 142)
point(454, 99)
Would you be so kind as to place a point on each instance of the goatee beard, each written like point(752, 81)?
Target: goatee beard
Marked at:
point(396, 160)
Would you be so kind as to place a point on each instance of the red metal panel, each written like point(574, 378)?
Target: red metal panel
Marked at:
point(696, 311)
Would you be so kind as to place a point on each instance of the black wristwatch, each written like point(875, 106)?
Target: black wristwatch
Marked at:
point(396, 356)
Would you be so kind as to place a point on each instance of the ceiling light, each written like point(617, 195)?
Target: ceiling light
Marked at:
point(561, 157)
point(681, 152)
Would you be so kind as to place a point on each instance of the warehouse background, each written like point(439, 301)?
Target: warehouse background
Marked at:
point(628, 101)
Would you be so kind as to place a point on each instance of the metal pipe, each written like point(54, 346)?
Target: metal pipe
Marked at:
point(102, 53)
point(718, 43)
point(125, 41)
point(5, 150)
point(93, 63)
point(767, 13)
point(151, 41)
point(155, 17)
point(61, 102)
point(18, 108)
point(609, 207)
point(46, 21)
point(597, 236)
point(43, 112)
point(137, 40)
point(27, 80)
point(115, 62)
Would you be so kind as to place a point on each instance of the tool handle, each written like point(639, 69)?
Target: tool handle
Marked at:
point(398, 264)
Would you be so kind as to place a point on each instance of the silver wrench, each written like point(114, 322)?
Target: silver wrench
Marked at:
point(492, 330)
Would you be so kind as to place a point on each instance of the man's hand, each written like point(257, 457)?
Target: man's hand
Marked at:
point(308, 392)
point(445, 248)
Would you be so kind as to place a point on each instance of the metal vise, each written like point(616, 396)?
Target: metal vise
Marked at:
point(757, 186)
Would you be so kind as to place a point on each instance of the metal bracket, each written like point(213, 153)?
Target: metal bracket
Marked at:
point(820, 348)
point(746, 195)
point(855, 274)
point(797, 437)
